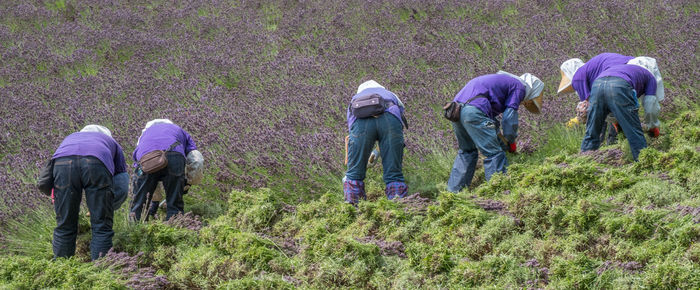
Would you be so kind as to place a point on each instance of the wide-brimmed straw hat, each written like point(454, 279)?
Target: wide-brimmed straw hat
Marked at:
point(568, 69)
point(533, 105)
point(533, 93)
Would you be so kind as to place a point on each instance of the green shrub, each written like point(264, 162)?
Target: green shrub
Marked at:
point(147, 237)
point(17, 272)
point(204, 267)
point(254, 210)
point(248, 248)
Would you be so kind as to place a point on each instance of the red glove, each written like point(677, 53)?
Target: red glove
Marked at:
point(512, 147)
point(617, 127)
point(654, 132)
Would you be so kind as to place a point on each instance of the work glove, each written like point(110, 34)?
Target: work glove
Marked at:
point(654, 132)
point(573, 122)
point(512, 147)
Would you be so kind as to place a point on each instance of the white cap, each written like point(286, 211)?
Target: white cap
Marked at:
point(151, 123)
point(157, 121)
point(97, 128)
point(368, 84)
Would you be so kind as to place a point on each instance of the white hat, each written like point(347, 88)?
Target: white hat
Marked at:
point(568, 69)
point(97, 128)
point(151, 123)
point(650, 64)
point(533, 89)
point(157, 121)
point(368, 84)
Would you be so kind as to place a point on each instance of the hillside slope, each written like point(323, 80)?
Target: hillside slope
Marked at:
point(591, 220)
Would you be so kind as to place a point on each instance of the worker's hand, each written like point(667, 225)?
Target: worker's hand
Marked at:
point(654, 132)
point(582, 111)
point(512, 147)
point(573, 122)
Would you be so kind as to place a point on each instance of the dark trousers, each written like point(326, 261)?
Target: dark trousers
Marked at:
point(173, 178)
point(388, 130)
point(73, 175)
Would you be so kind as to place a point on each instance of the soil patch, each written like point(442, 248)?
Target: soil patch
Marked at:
point(614, 157)
point(542, 272)
point(497, 206)
point(689, 210)
point(629, 267)
point(386, 248)
point(188, 221)
point(415, 203)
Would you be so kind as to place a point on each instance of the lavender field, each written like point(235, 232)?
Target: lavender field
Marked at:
point(262, 86)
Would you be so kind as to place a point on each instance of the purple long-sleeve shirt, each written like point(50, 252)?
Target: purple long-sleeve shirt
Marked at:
point(585, 75)
point(161, 137)
point(638, 77)
point(501, 92)
point(387, 96)
point(95, 144)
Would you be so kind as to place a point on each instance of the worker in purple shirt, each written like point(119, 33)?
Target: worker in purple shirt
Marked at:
point(387, 129)
point(578, 77)
point(616, 91)
point(87, 161)
point(484, 98)
point(162, 134)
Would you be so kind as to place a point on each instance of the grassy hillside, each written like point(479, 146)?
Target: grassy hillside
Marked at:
point(262, 86)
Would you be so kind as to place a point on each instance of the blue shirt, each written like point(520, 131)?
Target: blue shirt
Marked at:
point(161, 137)
point(585, 75)
point(387, 96)
point(500, 91)
point(95, 144)
point(638, 77)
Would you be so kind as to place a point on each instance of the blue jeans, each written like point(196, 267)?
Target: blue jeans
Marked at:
point(475, 131)
point(173, 178)
point(72, 175)
point(120, 189)
point(613, 94)
point(388, 130)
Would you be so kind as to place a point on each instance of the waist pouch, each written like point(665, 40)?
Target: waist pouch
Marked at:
point(155, 160)
point(454, 109)
point(368, 106)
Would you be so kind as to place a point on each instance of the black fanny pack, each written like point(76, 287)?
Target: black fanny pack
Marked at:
point(368, 106)
point(454, 109)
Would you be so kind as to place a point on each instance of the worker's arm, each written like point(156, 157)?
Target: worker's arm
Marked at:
point(510, 125)
point(347, 140)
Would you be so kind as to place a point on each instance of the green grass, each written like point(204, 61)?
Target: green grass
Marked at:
point(573, 215)
point(566, 211)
